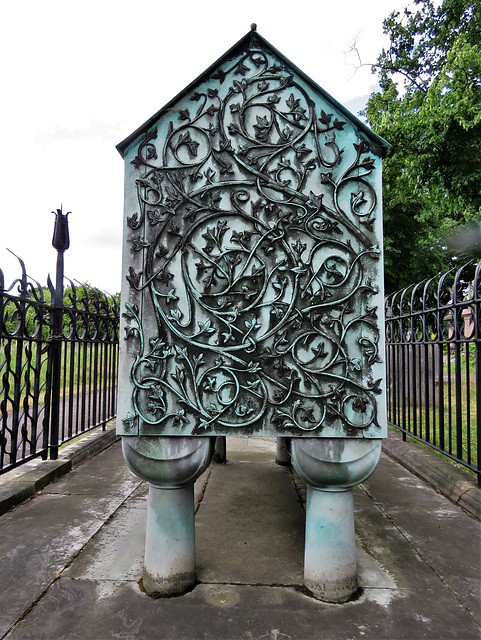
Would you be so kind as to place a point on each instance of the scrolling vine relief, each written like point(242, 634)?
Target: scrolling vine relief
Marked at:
point(255, 249)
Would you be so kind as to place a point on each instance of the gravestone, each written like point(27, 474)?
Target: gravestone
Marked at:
point(252, 289)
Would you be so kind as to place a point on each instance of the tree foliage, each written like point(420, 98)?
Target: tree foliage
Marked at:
point(429, 110)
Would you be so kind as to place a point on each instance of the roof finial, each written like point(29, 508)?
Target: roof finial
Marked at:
point(253, 27)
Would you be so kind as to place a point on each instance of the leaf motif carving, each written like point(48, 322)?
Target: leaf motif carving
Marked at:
point(250, 248)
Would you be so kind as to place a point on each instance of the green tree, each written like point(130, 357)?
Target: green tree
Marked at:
point(429, 109)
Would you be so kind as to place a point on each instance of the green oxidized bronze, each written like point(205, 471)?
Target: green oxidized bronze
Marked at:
point(253, 270)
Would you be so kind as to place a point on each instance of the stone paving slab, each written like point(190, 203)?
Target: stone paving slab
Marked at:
point(452, 482)
point(39, 538)
point(116, 551)
point(418, 559)
point(447, 542)
point(22, 482)
point(100, 610)
point(388, 548)
point(252, 533)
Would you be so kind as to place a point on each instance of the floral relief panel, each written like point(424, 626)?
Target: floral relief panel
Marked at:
point(252, 273)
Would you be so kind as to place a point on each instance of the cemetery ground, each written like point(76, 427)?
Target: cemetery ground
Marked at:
point(72, 554)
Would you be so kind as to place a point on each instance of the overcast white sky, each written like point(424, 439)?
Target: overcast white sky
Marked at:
point(78, 78)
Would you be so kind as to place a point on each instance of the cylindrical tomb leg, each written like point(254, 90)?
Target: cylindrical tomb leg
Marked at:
point(170, 465)
point(169, 565)
point(330, 467)
point(330, 548)
point(282, 451)
point(220, 450)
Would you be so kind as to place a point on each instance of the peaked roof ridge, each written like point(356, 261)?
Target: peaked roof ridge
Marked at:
point(249, 40)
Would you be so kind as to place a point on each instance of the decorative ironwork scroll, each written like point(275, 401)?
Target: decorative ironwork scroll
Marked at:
point(252, 261)
point(433, 362)
point(85, 391)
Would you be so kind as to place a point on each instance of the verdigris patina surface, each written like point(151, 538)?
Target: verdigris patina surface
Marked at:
point(252, 290)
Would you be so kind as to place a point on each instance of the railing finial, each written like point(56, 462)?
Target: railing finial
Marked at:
point(61, 240)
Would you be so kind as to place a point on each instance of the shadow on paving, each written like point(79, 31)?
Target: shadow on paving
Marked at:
point(76, 552)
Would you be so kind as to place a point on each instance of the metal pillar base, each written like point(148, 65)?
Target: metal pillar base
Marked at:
point(331, 467)
point(170, 465)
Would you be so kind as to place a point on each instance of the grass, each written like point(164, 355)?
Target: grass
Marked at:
point(448, 418)
point(440, 455)
point(23, 376)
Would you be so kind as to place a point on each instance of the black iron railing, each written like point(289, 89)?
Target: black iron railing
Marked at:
point(58, 365)
point(433, 348)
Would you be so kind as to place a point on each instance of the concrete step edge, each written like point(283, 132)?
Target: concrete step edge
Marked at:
point(24, 481)
point(451, 482)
